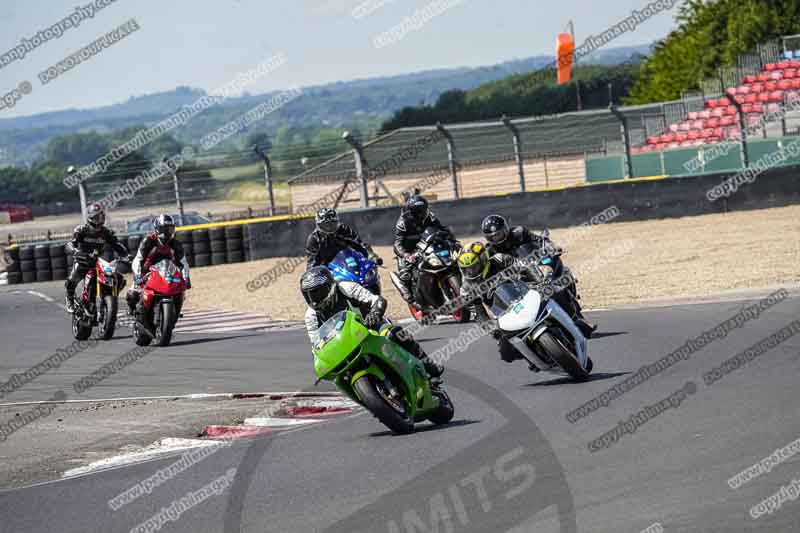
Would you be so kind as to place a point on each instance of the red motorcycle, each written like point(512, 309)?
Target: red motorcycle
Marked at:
point(99, 301)
point(162, 299)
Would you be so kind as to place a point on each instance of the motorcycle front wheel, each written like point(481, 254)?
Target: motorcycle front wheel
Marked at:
point(107, 309)
point(166, 323)
point(565, 359)
point(445, 412)
point(385, 409)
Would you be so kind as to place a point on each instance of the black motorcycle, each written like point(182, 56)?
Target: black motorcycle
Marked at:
point(437, 279)
point(98, 303)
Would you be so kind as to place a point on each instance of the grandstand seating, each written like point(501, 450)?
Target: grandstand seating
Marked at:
point(719, 121)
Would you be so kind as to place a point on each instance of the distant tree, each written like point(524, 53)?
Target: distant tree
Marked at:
point(260, 139)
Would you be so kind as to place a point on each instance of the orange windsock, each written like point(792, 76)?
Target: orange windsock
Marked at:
point(565, 49)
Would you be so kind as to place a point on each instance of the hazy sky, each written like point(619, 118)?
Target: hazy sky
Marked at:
point(205, 43)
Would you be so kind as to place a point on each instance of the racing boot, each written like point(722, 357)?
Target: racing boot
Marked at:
point(433, 368)
point(69, 303)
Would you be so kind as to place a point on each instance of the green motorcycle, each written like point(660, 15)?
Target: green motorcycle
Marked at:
point(378, 374)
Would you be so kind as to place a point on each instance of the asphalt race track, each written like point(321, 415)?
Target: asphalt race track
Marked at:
point(510, 461)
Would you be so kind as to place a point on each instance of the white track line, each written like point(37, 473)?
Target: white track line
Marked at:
point(270, 422)
point(200, 396)
point(44, 297)
point(156, 450)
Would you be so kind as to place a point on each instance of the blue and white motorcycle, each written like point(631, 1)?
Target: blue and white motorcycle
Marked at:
point(350, 265)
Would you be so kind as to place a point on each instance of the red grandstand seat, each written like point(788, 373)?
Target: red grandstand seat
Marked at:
point(673, 128)
point(705, 114)
point(750, 79)
point(697, 124)
point(661, 146)
point(769, 67)
point(727, 121)
point(718, 132)
point(685, 126)
point(757, 88)
point(712, 122)
point(773, 108)
point(785, 85)
point(718, 112)
point(796, 83)
point(635, 150)
point(740, 98)
point(747, 108)
point(783, 65)
point(777, 75)
point(686, 144)
point(693, 115)
point(681, 137)
point(770, 86)
point(776, 96)
point(730, 110)
point(793, 63)
point(758, 108)
point(789, 74)
point(763, 97)
point(724, 102)
point(652, 140)
point(744, 89)
point(764, 77)
point(751, 99)
point(732, 90)
point(711, 104)
point(694, 135)
point(707, 133)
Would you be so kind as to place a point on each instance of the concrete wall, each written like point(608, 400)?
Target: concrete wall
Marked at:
point(636, 199)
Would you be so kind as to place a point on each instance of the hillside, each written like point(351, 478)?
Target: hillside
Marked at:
point(533, 93)
point(366, 102)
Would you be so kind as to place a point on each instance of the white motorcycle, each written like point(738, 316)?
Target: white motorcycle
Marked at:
point(540, 330)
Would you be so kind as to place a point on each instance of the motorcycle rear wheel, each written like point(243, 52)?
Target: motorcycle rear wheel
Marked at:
point(565, 359)
point(379, 406)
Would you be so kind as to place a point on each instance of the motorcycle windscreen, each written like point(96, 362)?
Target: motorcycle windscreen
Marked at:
point(339, 336)
point(347, 266)
point(515, 305)
point(169, 271)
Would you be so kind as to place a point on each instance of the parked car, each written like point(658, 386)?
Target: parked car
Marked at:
point(145, 224)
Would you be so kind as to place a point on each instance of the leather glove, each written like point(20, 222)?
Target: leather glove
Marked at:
point(375, 258)
point(373, 320)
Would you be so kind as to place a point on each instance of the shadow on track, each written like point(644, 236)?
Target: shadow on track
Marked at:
point(600, 335)
point(570, 381)
point(209, 339)
point(428, 427)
